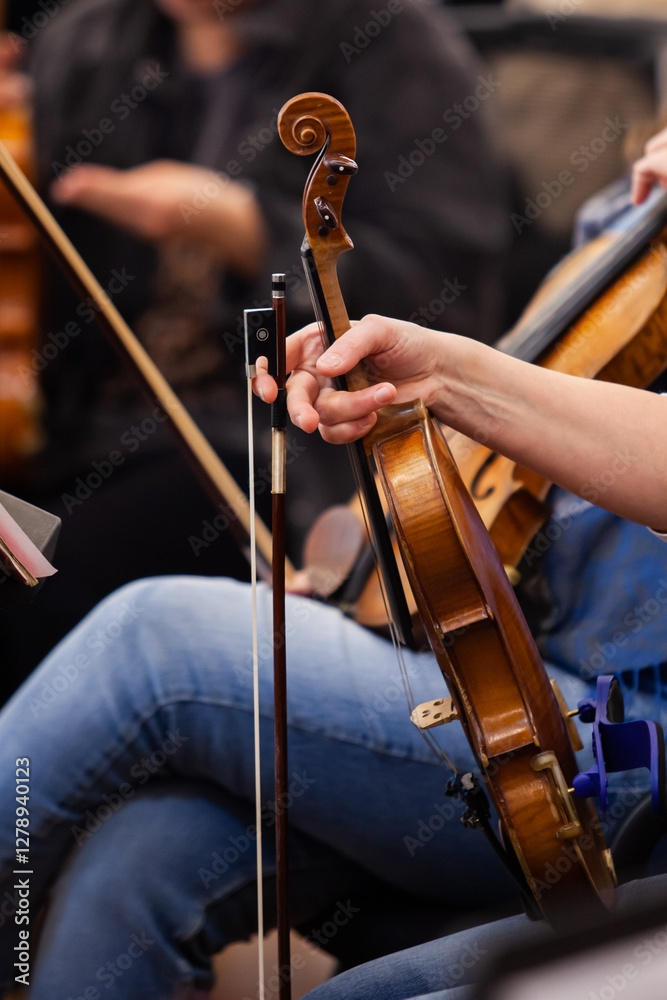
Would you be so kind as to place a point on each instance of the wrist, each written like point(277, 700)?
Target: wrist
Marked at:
point(456, 373)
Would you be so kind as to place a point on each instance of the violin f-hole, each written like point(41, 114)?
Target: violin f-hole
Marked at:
point(477, 478)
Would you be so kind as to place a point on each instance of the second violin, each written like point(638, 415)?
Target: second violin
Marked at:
point(602, 314)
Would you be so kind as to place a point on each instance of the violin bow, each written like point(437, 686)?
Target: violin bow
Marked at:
point(207, 465)
point(278, 491)
point(259, 329)
point(265, 333)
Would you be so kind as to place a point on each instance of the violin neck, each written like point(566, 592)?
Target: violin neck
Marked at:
point(330, 310)
point(331, 314)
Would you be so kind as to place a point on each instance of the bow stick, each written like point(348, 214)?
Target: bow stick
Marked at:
point(260, 336)
point(265, 332)
point(278, 488)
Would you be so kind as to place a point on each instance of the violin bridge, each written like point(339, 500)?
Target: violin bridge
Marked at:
point(430, 714)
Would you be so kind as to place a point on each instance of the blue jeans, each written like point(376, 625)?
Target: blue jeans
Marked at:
point(153, 690)
point(448, 968)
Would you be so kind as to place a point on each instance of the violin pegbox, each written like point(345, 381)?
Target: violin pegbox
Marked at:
point(317, 123)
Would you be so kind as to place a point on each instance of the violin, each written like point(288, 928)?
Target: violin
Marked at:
point(20, 397)
point(499, 689)
point(602, 313)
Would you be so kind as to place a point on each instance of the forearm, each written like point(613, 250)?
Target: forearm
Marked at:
point(599, 440)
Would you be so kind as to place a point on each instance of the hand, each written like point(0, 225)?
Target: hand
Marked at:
point(651, 168)
point(166, 199)
point(406, 354)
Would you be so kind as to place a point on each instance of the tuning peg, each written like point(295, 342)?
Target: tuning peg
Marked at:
point(339, 166)
point(326, 214)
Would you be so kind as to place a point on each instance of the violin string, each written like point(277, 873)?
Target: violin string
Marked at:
point(327, 336)
point(439, 753)
point(255, 693)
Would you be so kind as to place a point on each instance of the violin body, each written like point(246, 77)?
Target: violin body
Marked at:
point(20, 397)
point(503, 697)
point(501, 693)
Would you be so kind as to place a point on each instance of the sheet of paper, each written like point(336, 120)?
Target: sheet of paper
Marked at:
point(18, 545)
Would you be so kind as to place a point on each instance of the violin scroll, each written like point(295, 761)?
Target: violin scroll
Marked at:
point(300, 124)
point(314, 123)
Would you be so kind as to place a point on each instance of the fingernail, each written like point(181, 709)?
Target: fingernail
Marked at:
point(383, 394)
point(333, 360)
point(260, 393)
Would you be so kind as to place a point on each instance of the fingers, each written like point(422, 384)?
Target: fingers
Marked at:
point(301, 352)
point(341, 416)
point(303, 347)
point(347, 416)
point(340, 407)
point(346, 433)
point(264, 385)
point(646, 172)
point(370, 336)
point(658, 141)
point(303, 392)
point(650, 169)
point(90, 186)
point(642, 182)
point(139, 199)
